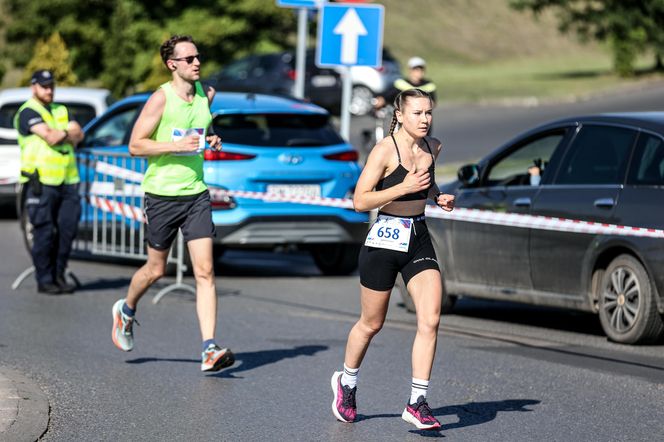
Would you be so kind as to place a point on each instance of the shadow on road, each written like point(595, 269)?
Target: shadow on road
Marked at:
point(250, 360)
point(247, 361)
point(472, 413)
point(106, 283)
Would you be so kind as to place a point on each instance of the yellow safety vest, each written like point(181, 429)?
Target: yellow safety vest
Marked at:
point(404, 85)
point(56, 164)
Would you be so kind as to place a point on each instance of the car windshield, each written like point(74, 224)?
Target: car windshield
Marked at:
point(276, 130)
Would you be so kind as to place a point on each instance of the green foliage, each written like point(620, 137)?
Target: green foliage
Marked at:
point(116, 40)
point(53, 55)
point(631, 27)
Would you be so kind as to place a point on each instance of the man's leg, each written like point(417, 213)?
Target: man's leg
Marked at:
point(147, 275)
point(200, 251)
point(68, 216)
point(40, 212)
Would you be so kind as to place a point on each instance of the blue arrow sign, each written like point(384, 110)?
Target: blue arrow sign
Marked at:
point(299, 3)
point(350, 35)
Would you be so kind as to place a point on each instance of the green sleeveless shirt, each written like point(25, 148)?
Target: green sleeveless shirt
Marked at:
point(178, 174)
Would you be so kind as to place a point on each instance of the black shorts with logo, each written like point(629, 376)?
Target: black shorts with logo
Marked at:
point(164, 215)
point(379, 267)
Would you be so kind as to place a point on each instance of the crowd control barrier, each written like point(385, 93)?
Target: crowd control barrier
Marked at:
point(112, 224)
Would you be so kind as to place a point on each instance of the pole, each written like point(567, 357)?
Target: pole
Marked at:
point(300, 59)
point(345, 102)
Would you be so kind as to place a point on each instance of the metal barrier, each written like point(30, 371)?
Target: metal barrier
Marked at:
point(112, 221)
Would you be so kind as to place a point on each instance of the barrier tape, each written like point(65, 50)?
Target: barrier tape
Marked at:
point(538, 222)
point(118, 208)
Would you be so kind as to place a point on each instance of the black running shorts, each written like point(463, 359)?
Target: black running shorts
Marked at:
point(164, 215)
point(379, 267)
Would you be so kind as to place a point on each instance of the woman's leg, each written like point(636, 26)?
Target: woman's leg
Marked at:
point(374, 309)
point(426, 290)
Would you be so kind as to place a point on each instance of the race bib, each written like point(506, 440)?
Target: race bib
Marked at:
point(390, 232)
point(177, 134)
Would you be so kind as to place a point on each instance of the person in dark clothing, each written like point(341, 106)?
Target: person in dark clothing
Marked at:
point(414, 80)
point(49, 172)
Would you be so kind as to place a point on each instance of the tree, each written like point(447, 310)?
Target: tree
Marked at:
point(629, 27)
point(53, 55)
point(116, 40)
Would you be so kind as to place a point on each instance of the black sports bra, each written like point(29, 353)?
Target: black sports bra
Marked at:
point(397, 176)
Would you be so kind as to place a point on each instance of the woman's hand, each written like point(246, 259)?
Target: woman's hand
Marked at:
point(214, 141)
point(445, 201)
point(415, 181)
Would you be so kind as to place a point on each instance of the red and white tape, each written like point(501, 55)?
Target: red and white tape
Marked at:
point(459, 214)
point(118, 208)
point(9, 180)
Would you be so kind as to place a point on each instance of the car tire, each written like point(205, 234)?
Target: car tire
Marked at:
point(627, 305)
point(24, 221)
point(447, 304)
point(336, 259)
point(361, 100)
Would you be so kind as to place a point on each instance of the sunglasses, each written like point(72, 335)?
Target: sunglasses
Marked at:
point(190, 59)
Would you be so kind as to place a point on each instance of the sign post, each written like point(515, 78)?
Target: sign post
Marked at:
point(302, 31)
point(349, 35)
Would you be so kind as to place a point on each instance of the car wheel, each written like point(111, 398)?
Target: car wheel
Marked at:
point(336, 259)
point(627, 304)
point(446, 307)
point(24, 220)
point(361, 100)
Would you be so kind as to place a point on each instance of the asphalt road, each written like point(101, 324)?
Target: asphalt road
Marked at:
point(502, 372)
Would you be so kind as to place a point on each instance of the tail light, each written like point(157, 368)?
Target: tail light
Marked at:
point(380, 68)
point(291, 74)
point(222, 155)
point(221, 201)
point(349, 155)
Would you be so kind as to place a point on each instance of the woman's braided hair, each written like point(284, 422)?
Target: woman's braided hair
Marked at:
point(401, 99)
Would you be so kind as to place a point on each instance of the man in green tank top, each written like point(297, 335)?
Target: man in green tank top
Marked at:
point(171, 132)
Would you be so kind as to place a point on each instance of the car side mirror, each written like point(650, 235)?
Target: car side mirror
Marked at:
point(469, 174)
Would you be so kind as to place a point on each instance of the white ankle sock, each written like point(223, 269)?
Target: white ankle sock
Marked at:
point(349, 378)
point(418, 388)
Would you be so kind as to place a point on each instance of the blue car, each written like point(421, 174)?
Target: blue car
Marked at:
point(275, 145)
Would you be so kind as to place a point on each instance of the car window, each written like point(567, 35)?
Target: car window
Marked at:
point(527, 164)
point(7, 113)
point(276, 130)
point(598, 155)
point(113, 130)
point(82, 113)
point(238, 70)
point(648, 164)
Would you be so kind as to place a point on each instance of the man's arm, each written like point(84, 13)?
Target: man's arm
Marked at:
point(140, 143)
point(30, 122)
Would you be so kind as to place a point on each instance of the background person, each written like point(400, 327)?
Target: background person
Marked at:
point(170, 131)
point(398, 178)
point(48, 169)
point(414, 80)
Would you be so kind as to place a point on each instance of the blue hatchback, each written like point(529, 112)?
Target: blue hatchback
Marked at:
point(281, 147)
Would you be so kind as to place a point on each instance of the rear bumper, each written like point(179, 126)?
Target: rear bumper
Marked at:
point(268, 231)
point(8, 193)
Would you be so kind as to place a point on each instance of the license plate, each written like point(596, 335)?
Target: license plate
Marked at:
point(323, 80)
point(294, 190)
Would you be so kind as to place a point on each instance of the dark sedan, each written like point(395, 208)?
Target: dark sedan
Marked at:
point(605, 169)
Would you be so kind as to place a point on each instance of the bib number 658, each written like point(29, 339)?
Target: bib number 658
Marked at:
point(388, 232)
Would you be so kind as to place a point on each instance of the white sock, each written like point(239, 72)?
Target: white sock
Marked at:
point(418, 388)
point(349, 378)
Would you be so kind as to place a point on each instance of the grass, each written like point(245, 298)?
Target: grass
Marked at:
point(482, 50)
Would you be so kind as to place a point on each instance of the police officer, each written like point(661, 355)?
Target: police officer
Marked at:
point(414, 80)
point(48, 169)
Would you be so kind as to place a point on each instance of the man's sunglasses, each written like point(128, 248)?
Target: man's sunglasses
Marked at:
point(189, 59)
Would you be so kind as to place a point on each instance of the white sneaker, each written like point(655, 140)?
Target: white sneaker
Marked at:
point(123, 335)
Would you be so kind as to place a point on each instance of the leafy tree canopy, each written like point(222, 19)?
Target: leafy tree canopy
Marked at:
point(116, 40)
point(629, 26)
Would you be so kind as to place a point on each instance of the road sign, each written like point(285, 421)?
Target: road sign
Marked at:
point(299, 3)
point(350, 35)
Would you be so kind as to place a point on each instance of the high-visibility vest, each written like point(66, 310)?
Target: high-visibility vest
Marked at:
point(56, 164)
point(404, 85)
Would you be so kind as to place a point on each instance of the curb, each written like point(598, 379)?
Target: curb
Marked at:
point(24, 408)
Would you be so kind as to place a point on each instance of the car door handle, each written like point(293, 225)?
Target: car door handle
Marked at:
point(522, 202)
point(605, 203)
